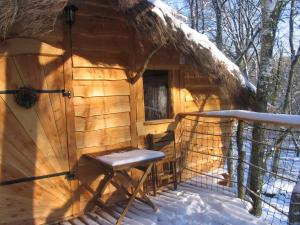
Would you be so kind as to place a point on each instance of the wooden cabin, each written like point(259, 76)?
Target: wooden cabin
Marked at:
point(125, 71)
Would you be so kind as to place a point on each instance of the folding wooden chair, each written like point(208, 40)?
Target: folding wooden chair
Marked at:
point(166, 169)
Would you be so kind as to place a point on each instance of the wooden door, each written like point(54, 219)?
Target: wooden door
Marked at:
point(33, 142)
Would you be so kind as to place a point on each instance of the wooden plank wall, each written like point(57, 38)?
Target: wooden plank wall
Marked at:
point(101, 57)
point(109, 110)
point(201, 94)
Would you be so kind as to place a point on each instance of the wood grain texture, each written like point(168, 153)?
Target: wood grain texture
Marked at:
point(96, 106)
point(44, 124)
point(99, 26)
point(50, 203)
point(33, 141)
point(102, 149)
point(19, 46)
point(101, 122)
point(110, 44)
point(98, 74)
point(100, 59)
point(100, 88)
point(108, 136)
point(70, 123)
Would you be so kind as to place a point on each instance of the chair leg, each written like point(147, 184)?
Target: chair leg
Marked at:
point(137, 190)
point(154, 185)
point(100, 190)
point(175, 175)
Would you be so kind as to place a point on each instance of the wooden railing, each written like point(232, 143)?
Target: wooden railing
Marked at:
point(253, 155)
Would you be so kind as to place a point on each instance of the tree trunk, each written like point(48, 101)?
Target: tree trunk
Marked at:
point(230, 163)
point(241, 158)
point(287, 98)
point(270, 16)
point(294, 59)
point(219, 21)
point(192, 13)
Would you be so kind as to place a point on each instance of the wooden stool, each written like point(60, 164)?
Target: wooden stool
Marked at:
point(120, 163)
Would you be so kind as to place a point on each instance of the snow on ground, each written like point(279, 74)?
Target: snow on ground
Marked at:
point(188, 205)
point(276, 190)
point(199, 206)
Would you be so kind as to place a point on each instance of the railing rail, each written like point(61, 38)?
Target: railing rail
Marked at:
point(277, 119)
point(217, 153)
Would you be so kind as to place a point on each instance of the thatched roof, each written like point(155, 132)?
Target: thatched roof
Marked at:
point(161, 23)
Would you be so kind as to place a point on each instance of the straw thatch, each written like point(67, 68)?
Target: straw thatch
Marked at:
point(29, 18)
point(26, 18)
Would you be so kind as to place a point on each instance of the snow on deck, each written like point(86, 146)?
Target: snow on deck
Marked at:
point(128, 157)
point(188, 205)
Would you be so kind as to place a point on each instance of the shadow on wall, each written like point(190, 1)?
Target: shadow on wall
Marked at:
point(33, 140)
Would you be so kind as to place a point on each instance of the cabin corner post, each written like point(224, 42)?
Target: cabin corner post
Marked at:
point(70, 117)
point(133, 93)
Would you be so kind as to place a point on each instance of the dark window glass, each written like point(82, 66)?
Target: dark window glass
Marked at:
point(156, 98)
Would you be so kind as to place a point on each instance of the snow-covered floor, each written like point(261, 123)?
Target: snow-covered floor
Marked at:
point(188, 205)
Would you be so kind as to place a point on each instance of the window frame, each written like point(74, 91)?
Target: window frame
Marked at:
point(170, 106)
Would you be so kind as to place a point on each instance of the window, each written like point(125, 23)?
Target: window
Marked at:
point(156, 95)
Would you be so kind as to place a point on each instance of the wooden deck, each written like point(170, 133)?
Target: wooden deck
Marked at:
point(188, 205)
point(138, 214)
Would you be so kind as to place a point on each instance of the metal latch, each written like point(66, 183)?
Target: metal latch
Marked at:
point(71, 176)
point(66, 93)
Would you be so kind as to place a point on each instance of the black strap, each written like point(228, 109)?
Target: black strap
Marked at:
point(28, 179)
point(36, 91)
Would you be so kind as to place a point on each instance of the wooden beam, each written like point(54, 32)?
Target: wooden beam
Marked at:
point(133, 94)
point(19, 46)
point(70, 115)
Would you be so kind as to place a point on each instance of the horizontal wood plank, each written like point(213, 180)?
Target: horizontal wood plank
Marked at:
point(101, 122)
point(211, 90)
point(101, 43)
point(85, 107)
point(200, 106)
point(94, 26)
point(98, 74)
point(105, 59)
point(154, 129)
point(202, 97)
point(108, 136)
point(100, 88)
point(18, 46)
point(102, 149)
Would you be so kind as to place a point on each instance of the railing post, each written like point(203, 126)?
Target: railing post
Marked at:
point(294, 211)
point(241, 159)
